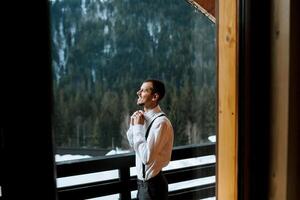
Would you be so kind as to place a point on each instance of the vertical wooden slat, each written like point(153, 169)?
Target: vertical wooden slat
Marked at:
point(124, 174)
point(280, 31)
point(227, 101)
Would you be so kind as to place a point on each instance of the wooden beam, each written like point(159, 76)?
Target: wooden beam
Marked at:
point(207, 7)
point(227, 101)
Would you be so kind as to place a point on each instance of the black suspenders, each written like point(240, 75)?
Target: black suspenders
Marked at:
point(146, 136)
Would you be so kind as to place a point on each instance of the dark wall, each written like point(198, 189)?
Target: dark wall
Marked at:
point(27, 162)
point(293, 187)
point(254, 99)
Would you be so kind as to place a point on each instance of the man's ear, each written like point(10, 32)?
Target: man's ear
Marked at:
point(155, 97)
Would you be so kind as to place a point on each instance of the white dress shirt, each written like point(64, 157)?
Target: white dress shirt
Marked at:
point(156, 152)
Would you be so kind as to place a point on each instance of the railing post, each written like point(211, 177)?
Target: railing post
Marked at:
point(124, 174)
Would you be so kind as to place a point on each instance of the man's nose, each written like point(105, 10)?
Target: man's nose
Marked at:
point(138, 92)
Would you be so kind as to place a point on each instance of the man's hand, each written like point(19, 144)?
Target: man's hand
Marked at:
point(137, 118)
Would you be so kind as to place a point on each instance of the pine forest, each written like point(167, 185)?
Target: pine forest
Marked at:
point(102, 50)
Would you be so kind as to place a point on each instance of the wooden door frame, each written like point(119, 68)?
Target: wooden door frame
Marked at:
point(227, 78)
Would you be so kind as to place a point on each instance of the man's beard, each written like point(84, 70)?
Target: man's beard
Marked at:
point(140, 104)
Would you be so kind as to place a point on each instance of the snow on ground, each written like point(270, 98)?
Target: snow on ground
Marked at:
point(212, 138)
point(117, 151)
point(66, 157)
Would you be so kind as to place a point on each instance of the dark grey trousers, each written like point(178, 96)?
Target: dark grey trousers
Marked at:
point(155, 188)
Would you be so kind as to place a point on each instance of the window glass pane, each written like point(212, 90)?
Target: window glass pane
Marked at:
point(101, 53)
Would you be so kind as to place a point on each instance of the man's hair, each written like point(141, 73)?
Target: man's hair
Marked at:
point(158, 87)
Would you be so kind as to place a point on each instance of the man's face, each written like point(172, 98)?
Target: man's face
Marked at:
point(145, 96)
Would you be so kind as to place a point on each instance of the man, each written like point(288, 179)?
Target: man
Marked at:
point(151, 135)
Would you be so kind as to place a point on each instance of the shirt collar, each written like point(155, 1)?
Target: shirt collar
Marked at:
point(152, 112)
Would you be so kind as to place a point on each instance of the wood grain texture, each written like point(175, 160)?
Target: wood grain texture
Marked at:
point(227, 101)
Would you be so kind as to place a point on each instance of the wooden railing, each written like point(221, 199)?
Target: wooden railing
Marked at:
point(126, 183)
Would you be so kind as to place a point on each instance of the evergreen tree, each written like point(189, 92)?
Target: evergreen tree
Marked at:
point(103, 50)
